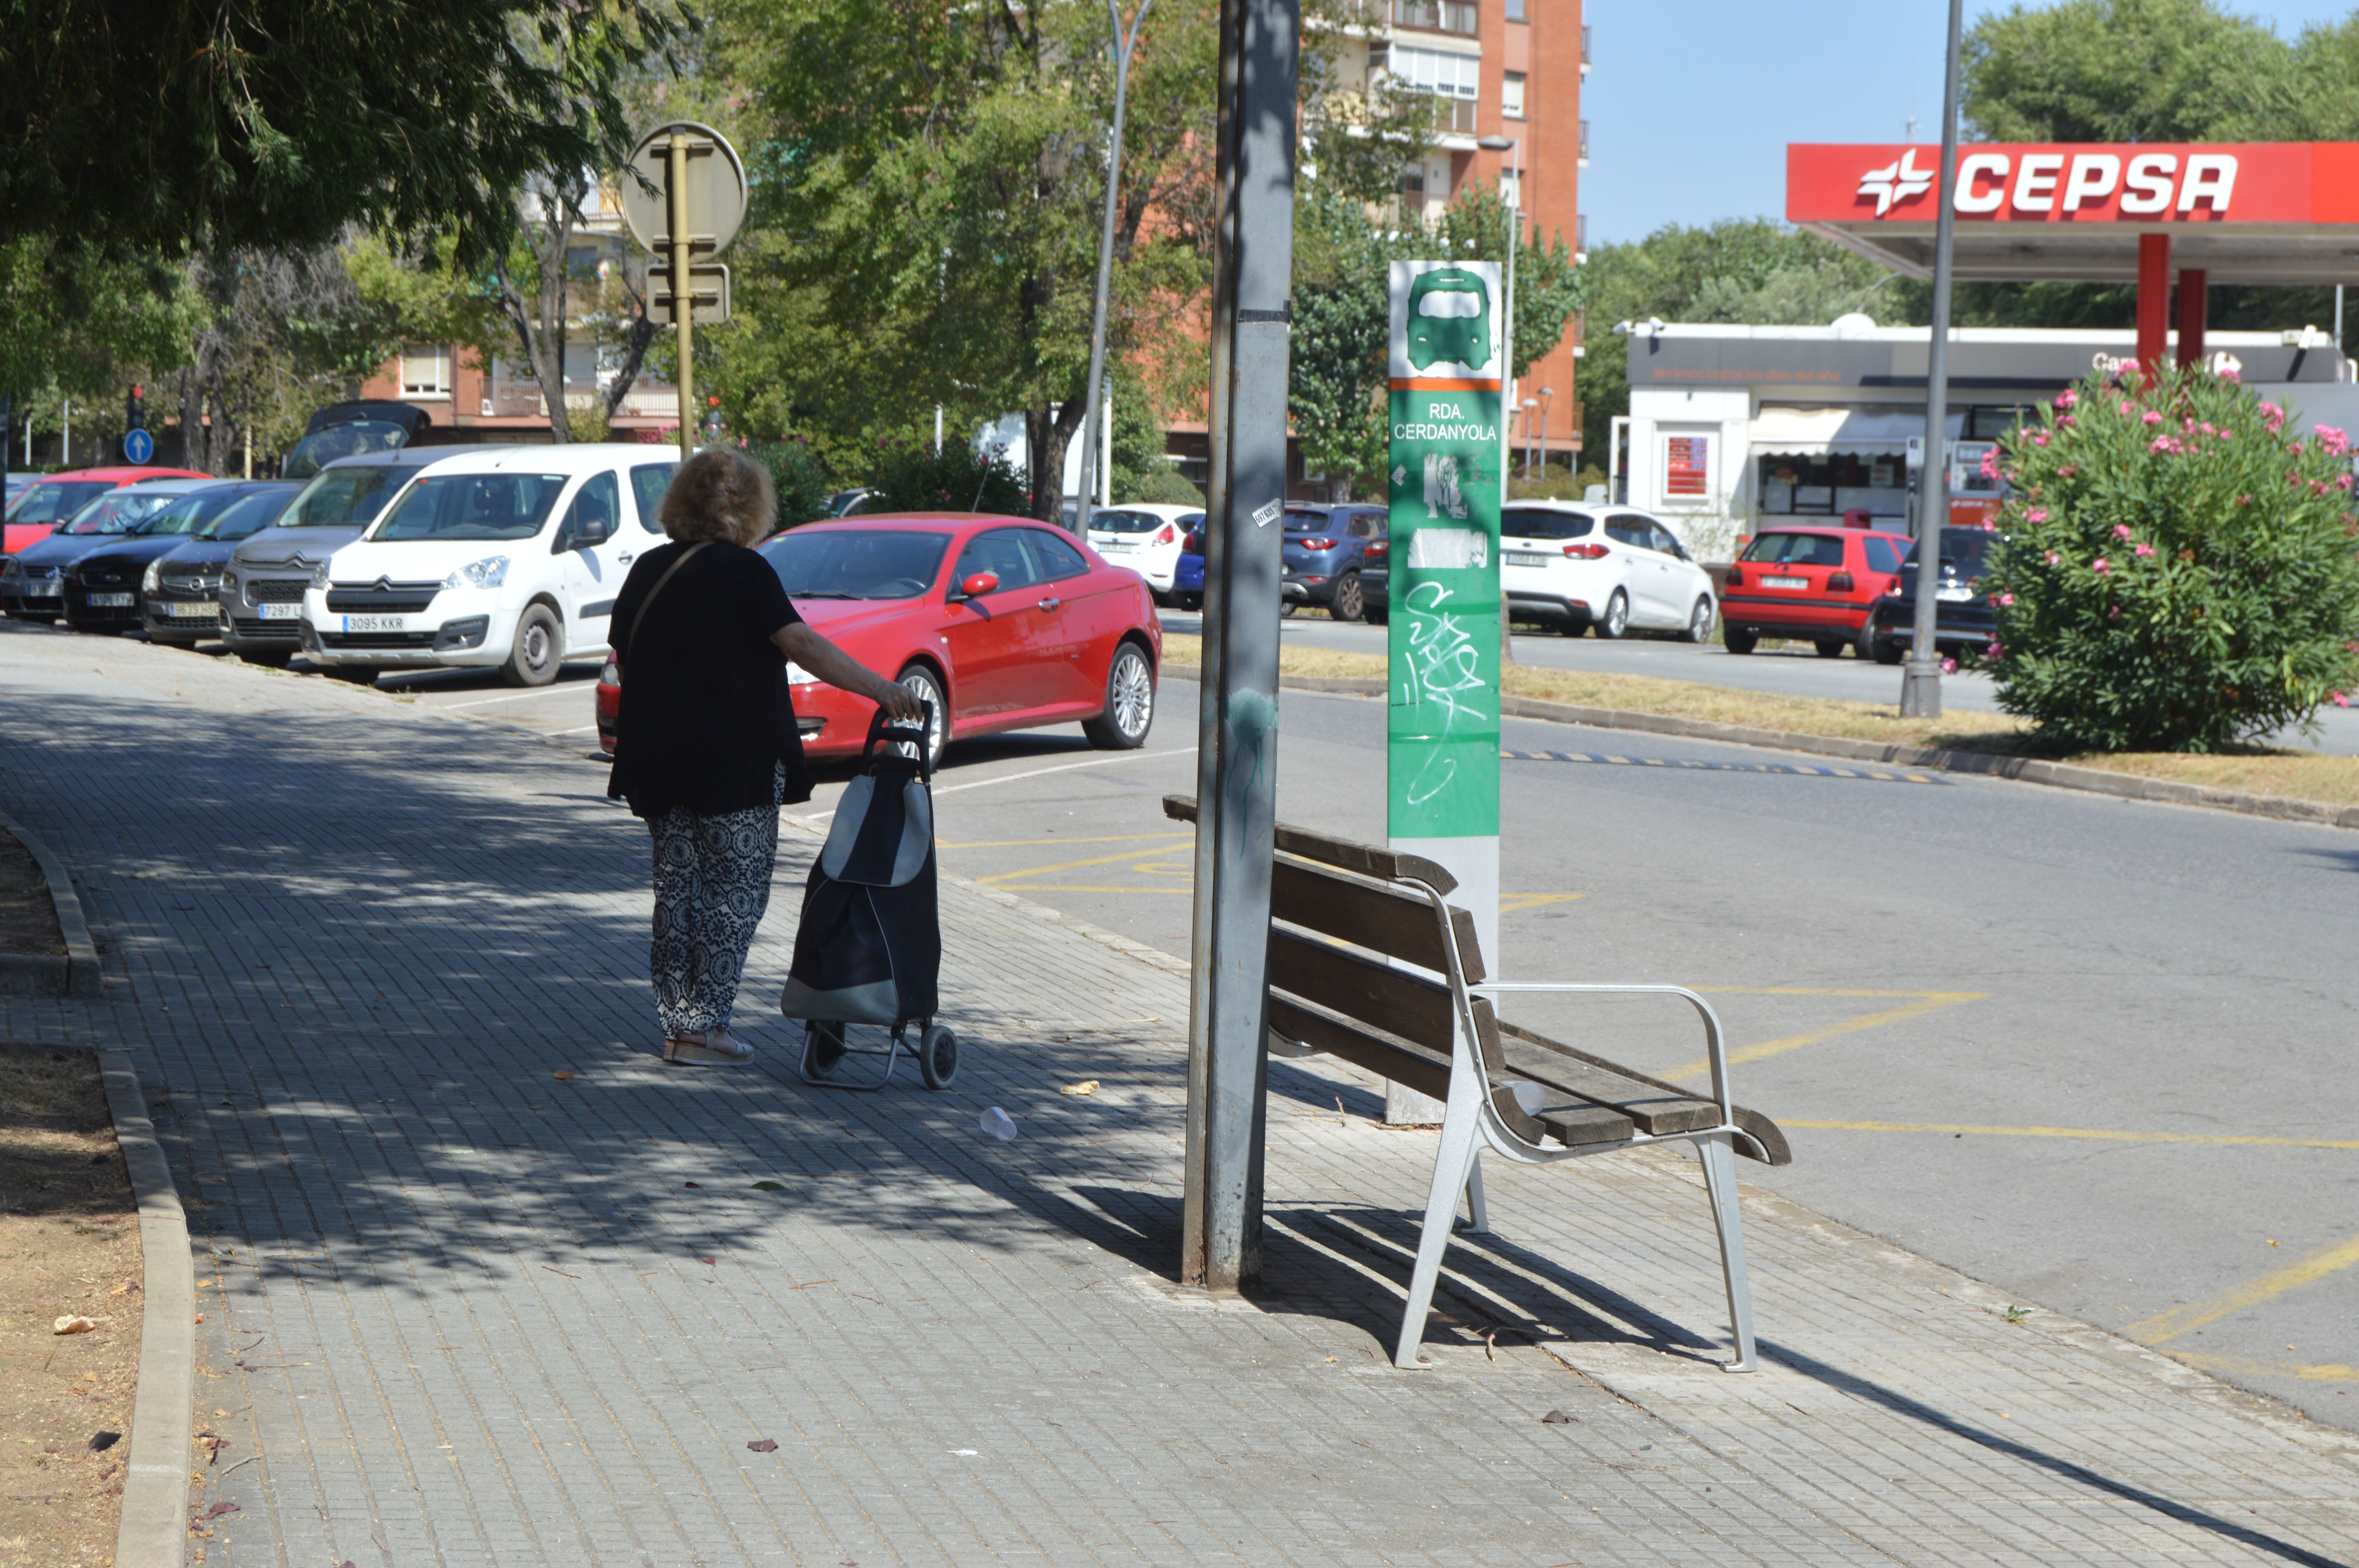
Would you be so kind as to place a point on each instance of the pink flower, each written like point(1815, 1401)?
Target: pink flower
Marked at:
point(2337, 698)
point(2054, 559)
point(2129, 367)
point(2039, 437)
point(2066, 398)
point(2151, 418)
point(2065, 421)
point(2037, 514)
point(2100, 565)
point(2295, 449)
point(2005, 599)
point(2112, 613)
point(1990, 524)
point(2333, 440)
point(2120, 530)
point(2164, 444)
point(2343, 482)
point(1948, 666)
point(1990, 462)
point(2230, 374)
point(2126, 405)
point(2143, 550)
point(2271, 411)
point(1995, 652)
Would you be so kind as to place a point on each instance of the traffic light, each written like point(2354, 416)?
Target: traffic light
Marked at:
point(135, 409)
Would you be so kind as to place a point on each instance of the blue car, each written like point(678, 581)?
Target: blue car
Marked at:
point(1188, 577)
point(1325, 550)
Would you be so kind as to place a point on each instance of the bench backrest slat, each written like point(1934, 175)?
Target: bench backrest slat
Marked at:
point(1387, 865)
point(1344, 981)
point(1426, 1072)
point(1371, 914)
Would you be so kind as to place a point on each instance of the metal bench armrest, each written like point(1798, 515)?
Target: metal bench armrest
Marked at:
point(1715, 1047)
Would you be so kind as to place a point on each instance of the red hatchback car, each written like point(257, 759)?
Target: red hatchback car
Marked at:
point(40, 507)
point(1813, 584)
point(1000, 622)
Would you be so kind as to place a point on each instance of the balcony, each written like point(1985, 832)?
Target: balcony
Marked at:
point(1584, 150)
point(1584, 48)
point(1454, 115)
point(1436, 15)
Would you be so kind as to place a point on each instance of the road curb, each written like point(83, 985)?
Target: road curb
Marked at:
point(43, 974)
point(2023, 770)
point(153, 1532)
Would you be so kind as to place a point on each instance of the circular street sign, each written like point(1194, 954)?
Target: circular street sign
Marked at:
point(138, 445)
point(716, 188)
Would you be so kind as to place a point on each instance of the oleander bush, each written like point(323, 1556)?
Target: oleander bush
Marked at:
point(2176, 571)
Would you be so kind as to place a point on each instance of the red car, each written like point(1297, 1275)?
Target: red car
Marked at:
point(41, 506)
point(1815, 585)
point(1000, 622)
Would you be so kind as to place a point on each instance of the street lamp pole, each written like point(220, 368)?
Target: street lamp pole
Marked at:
point(1507, 313)
point(1123, 42)
point(1921, 681)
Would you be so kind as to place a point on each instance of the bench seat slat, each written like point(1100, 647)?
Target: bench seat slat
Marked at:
point(1656, 1113)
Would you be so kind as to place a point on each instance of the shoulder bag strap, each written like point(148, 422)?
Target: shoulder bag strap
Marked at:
point(640, 618)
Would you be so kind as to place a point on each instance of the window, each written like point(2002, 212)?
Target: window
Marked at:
point(1881, 555)
point(1511, 95)
point(426, 372)
point(884, 563)
point(1431, 70)
point(1536, 523)
point(1055, 558)
point(648, 482)
point(1626, 528)
point(1515, 12)
point(474, 507)
point(1000, 551)
point(592, 517)
point(1796, 550)
point(1665, 542)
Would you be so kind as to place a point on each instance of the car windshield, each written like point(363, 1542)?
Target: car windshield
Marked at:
point(1964, 552)
point(887, 563)
point(1125, 522)
point(1535, 522)
point(188, 513)
point(472, 506)
point(120, 512)
point(246, 517)
point(344, 498)
point(54, 500)
point(1794, 550)
point(320, 447)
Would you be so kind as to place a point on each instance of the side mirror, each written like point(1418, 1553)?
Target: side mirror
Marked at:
point(979, 584)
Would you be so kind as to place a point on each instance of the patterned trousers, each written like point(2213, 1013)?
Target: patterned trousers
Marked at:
point(712, 884)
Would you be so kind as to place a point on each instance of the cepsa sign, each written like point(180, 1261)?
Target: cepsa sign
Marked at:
point(2145, 184)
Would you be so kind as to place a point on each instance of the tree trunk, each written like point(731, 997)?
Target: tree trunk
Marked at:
point(1051, 431)
point(540, 323)
point(635, 343)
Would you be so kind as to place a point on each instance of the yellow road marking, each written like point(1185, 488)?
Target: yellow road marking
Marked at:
point(2104, 1134)
point(1076, 865)
point(1509, 902)
point(2328, 1373)
point(1092, 887)
point(1925, 1003)
point(1025, 843)
point(2252, 1292)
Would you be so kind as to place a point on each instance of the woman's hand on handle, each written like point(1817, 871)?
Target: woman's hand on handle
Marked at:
point(840, 669)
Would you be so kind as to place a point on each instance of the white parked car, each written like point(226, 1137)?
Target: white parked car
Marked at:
point(1146, 538)
point(508, 559)
point(1607, 568)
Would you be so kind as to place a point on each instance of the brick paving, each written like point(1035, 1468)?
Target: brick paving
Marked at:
point(462, 1312)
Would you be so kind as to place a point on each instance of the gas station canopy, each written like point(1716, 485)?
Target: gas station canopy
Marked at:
point(2269, 212)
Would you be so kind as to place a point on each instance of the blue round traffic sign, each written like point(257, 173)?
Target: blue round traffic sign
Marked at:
point(138, 445)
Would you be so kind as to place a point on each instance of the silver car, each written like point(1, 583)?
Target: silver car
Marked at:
point(262, 585)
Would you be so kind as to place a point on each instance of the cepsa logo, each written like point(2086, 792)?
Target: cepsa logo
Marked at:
point(2202, 184)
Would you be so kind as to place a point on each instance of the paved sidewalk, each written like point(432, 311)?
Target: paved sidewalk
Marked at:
point(459, 1311)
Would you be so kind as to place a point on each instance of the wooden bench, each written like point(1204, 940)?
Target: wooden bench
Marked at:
point(1369, 962)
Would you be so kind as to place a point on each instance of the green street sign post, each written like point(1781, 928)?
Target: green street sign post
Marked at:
point(1443, 753)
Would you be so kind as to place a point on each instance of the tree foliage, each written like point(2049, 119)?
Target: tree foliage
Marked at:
point(276, 122)
point(2177, 572)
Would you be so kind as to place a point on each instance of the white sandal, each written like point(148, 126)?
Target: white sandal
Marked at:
point(717, 1048)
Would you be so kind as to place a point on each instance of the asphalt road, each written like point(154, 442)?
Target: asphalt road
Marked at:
point(2044, 1037)
point(2092, 1051)
point(1791, 672)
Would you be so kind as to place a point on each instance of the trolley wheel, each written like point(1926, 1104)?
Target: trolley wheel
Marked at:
point(822, 1048)
point(937, 1056)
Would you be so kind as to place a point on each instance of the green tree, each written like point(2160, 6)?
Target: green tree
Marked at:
point(280, 122)
point(2127, 71)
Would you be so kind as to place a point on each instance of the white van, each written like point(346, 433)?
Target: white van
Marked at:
point(508, 560)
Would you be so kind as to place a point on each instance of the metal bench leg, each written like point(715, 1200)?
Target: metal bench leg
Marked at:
point(1478, 1218)
point(1720, 1180)
point(1450, 1173)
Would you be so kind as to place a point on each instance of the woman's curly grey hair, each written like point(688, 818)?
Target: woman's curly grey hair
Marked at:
point(720, 495)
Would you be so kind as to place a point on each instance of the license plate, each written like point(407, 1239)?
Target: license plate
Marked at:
point(1525, 558)
point(109, 601)
point(1953, 595)
point(280, 611)
point(1785, 582)
point(376, 624)
point(1118, 549)
point(193, 610)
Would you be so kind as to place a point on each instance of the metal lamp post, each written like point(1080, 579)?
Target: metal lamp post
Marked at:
point(1123, 42)
point(1547, 400)
point(1921, 681)
point(1508, 314)
point(1529, 403)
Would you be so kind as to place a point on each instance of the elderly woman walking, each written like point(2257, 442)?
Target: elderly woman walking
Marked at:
point(706, 745)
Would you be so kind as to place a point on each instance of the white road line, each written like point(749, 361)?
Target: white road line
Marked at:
point(1034, 774)
point(520, 696)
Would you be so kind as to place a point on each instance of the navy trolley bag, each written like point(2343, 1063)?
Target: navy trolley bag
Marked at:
point(869, 950)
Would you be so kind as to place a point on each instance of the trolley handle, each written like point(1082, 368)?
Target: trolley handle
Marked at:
point(883, 730)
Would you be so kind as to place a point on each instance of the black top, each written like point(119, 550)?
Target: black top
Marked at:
point(704, 721)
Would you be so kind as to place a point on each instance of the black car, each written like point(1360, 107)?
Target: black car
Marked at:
point(177, 602)
point(1964, 619)
point(1325, 554)
point(102, 587)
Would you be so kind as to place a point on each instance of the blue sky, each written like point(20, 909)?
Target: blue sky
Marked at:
point(1691, 102)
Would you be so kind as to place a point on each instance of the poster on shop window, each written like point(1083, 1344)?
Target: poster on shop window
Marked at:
point(1442, 593)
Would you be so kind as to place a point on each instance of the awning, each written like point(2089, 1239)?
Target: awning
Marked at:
point(1783, 430)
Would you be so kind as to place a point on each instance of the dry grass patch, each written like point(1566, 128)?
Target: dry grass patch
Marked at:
point(2290, 775)
point(69, 1244)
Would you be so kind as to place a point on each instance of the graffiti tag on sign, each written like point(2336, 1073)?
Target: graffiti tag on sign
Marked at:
point(1445, 668)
